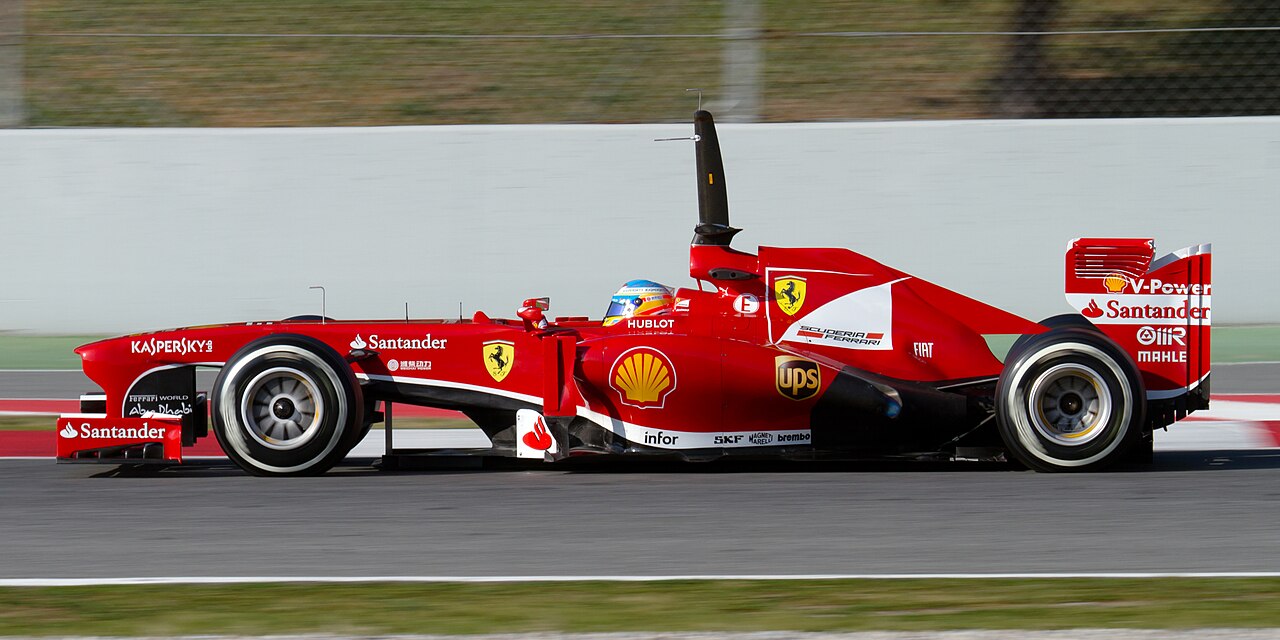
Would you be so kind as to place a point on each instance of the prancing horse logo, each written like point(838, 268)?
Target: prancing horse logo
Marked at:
point(499, 357)
point(789, 292)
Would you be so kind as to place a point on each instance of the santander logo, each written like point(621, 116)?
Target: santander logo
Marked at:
point(359, 343)
point(68, 432)
point(1092, 311)
point(539, 438)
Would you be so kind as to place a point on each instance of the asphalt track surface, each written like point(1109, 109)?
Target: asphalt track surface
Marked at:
point(1208, 511)
point(1189, 512)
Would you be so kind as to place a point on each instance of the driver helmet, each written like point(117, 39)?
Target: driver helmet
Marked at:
point(639, 298)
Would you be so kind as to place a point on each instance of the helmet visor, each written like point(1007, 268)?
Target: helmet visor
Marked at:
point(621, 307)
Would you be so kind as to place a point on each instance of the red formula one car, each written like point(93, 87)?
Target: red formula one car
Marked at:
point(796, 353)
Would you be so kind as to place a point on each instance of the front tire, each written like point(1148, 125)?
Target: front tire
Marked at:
point(1070, 400)
point(286, 405)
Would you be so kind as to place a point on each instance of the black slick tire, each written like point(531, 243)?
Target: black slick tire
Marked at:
point(1062, 321)
point(1070, 400)
point(286, 405)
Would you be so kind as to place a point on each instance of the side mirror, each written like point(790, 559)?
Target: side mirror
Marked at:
point(531, 312)
point(541, 304)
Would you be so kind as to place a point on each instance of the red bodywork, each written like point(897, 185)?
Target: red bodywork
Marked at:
point(1157, 310)
point(788, 351)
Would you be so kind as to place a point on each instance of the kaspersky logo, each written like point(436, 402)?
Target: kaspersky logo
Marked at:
point(643, 377)
point(179, 346)
point(789, 292)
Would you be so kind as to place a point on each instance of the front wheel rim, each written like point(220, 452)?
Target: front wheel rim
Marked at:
point(1070, 404)
point(282, 408)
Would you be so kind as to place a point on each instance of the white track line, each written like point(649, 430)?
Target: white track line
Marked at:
point(87, 582)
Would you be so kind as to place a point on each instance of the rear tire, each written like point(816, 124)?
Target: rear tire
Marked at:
point(1070, 400)
point(308, 318)
point(1061, 321)
point(286, 405)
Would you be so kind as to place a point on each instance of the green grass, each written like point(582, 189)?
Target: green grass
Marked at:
point(1246, 344)
point(27, 423)
point(725, 606)
point(137, 81)
point(80, 81)
point(40, 352)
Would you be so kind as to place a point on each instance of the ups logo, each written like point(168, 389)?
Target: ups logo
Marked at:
point(797, 378)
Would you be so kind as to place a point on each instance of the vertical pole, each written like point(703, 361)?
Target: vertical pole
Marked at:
point(1022, 81)
point(324, 302)
point(11, 102)
point(390, 447)
point(743, 61)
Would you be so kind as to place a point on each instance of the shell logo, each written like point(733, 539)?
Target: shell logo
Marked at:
point(643, 377)
point(1115, 283)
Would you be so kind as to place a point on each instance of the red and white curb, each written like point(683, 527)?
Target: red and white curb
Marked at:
point(1235, 421)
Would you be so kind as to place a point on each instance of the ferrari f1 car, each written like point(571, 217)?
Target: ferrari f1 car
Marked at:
point(796, 353)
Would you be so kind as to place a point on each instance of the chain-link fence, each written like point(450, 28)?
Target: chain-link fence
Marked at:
point(1190, 59)
point(10, 63)
point(306, 62)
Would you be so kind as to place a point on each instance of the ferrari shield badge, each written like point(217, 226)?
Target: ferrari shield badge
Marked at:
point(789, 292)
point(499, 357)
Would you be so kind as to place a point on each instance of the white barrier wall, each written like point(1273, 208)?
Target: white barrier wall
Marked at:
point(124, 230)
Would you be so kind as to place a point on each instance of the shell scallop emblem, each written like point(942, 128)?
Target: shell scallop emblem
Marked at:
point(643, 377)
point(1115, 283)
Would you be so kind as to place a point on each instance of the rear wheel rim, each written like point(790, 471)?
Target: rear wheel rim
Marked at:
point(1070, 404)
point(282, 408)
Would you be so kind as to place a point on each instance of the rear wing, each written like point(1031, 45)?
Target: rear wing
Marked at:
point(1158, 310)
